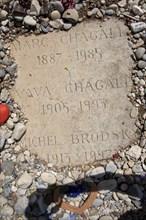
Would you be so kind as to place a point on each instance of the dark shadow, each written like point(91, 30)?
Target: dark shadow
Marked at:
point(41, 202)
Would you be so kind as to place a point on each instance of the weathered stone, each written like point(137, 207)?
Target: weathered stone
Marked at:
point(141, 64)
point(6, 211)
point(139, 52)
point(24, 181)
point(28, 20)
point(63, 92)
point(8, 167)
point(55, 15)
point(19, 131)
point(135, 192)
point(48, 178)
point(71, 15)
point(111, 167)
point(98, 172)
point(21, 204)
point(106, 185)
point(137, 27)
point(35, 7)
point(134, 152)
point(137, 10)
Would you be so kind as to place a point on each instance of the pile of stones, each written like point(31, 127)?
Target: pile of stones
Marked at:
point(26, 182)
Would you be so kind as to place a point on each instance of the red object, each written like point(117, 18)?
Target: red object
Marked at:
point(4, 113)
point(116, 155)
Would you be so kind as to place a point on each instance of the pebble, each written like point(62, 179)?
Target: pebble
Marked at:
point(28, 20)
point(97, 202)
point(71, 15)
point(6, 211)
point(109, 12)
point(139, 52)
point(8, 167)
point(19, 131)
point(2, 139)
point(35, 8)
point(57, 5)
point(98, 172)
point(137, 169)
point(55, 24)
point(134, 152)
point(55, 15)
point(135, 192)
point(2, 73)
point(24, 181)
point(141, 64)
point(67, 180)
point(122, 3)
point(106, 185)
point(137, 10)
point(10, 123)
point(67, 26)
point(21, 204)
point(3, 14)
point(48, 178)
point(111, 167)
point(137, 27)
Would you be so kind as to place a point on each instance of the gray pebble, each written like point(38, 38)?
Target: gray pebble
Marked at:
point(11, 69)
point(78, 6)
point(71, 15)
point(136, 36)
point(8, 167)
point(141, 64)
point(2, 139)
point(6, 211)
point(1, 46)
point(137, 27)
point(135, 192)
point(19, 131)
point(111, 167)
point(2, 73)
point(139, 52)
point(21, 204)
point(109, 12)
point(106, 185)
point(137, 10)
point(55, 15)
point(139, 73)
point(57, 5)
point(55, 24)
point(144, 57)
point(67, 26)
point(97, 202)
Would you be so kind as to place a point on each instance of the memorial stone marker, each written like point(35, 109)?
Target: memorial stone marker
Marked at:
point(72, 86)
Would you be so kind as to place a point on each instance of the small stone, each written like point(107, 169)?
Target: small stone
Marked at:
point(2, 139)
point(55, 15)
point(48, 178)
point(106, 186)
point(78, 6)
point(57, 5)
point(97, 202)
point(6, 211)
point(2, 74)
point(139, 73)
point(8, 167)
point(111, 167)
point(35, 8)
point(137, 27)
point(122, 196)
point(19, 131)
point(135, 192)
point(98, 172)
point(144, 57)
point(67, 180)
point(55, 24)
point(3, 14)
point(142, 82)
point(89, 13)
point(21, 157)
point(67, 26)
point(141, 64)
point(21, 204)
point(4, 95)
point(139, 52)
point(137, 169)
point(71, 15)
point(109, 12)
point(122, 3)
point(28, 20)
point(10, 123)
point(13, 188)
point(24, 181)
point(124, 187)
point(137, 10)
point(134, 152)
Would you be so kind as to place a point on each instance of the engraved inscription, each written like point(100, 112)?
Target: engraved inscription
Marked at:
point(73, 91)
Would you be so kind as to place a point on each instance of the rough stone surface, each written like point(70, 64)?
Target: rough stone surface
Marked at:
point(72, 94)
point(106, 185)
point(24, 181)
point(19, 131)
point(71, 15)
point(134, 152)
point(48, 178)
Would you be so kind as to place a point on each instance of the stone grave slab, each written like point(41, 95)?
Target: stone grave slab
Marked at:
point(72, 86)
